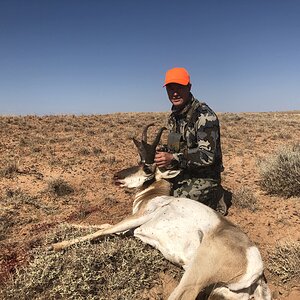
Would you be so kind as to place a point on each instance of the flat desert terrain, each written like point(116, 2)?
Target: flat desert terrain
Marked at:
point(57, 170)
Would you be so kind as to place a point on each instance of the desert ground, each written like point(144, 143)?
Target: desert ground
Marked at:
point(59, 169)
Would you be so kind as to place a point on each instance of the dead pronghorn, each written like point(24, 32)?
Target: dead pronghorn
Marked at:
point(212, 251)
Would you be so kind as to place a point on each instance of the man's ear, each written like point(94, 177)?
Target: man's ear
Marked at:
point(166, 174)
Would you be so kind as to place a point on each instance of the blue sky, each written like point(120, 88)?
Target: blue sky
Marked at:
point(106, 56)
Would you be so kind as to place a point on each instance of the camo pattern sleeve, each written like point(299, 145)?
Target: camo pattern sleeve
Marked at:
point(201, 139)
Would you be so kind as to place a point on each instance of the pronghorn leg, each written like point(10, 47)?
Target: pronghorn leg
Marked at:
point(102, 226)
point(214, 262)
point(258, 291)
point(197, 276)
point(227, 294)
point(262, 291)
point(126, 224)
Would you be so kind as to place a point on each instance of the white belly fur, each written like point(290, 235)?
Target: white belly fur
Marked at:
point(178, 227)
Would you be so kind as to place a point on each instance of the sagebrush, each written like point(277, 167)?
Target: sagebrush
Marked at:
point(280, 173)
point(284, 261)
point(60, 187)
point(244, 198)
point(117, 267)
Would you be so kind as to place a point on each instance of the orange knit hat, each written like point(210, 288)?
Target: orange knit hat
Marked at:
point(177, 75)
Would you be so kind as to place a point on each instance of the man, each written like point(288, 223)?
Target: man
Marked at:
point(194, 144)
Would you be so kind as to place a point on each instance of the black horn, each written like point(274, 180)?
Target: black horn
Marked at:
point(147, 151)
point(144, 135)
point(158, 136)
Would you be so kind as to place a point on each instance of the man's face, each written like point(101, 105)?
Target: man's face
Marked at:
point(178, 94)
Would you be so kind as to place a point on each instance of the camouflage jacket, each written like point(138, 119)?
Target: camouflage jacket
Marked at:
point(198, 152)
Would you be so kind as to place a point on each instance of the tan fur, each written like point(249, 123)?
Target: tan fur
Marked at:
point(219, 257)
point(230, 243)
point(156, 189)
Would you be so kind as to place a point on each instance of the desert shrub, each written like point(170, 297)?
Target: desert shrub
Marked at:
point(17, 198)
point(84, 151)
point(60, 187)
point(118, 267)
point(97, 151)
point(18, 208)
point(280, 173)
point(244, 198)
point(7, 220)
point(284, 261)
point(110, 159)
point(9, 169)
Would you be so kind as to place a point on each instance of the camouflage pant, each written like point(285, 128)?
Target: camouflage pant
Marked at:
point(205, 190)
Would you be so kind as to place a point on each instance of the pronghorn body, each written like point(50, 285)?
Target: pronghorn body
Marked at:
point(212, 251)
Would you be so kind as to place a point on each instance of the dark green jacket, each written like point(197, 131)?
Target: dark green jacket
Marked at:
point(199, 151)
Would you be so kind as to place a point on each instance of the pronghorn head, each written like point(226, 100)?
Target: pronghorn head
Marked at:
point(146, 171)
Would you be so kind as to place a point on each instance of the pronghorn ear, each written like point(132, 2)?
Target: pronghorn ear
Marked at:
point(166, 174)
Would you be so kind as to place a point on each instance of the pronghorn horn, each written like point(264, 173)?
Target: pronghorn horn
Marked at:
point(158, 136)
point(144, 135)
point(147, 151)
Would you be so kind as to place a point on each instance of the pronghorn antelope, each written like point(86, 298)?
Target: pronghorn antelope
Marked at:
point(212, 251)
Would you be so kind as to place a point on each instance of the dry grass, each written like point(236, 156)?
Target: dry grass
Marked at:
point(19, 208)
point(9, 169)
point(244, 198)
point(85, 271)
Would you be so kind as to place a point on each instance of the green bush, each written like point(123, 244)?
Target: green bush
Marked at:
point(280, 174)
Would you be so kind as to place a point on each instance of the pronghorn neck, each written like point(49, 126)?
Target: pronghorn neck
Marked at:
point(157, 188)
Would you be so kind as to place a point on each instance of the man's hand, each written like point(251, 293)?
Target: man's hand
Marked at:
point(163, 159)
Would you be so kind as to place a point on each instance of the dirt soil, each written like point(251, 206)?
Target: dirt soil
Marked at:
point(85, 151)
